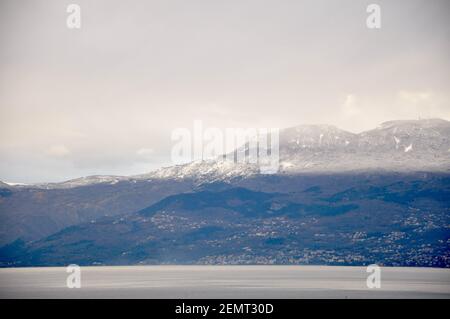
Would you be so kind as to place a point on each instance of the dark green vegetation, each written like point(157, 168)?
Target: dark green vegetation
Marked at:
point(339, 219)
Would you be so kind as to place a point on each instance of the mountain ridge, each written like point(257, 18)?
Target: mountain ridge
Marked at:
point(357, 221)
point(388, 147)
point(398, 150)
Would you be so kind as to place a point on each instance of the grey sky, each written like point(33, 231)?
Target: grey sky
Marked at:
point(104, 99)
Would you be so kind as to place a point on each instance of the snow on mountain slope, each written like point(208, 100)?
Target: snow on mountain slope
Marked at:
point(210, 170)
point(413, 145)
point(5, 185)
point(433, 134)
point(315, 137)
point(395, 145)
point(83, 181)
point(407, 145)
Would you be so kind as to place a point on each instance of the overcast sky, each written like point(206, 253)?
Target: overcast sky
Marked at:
point(104, 99)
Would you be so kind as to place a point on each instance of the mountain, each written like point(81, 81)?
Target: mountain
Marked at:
point(397, 220)
point(394, 146)
point(31, 213)
point(398, 146)
point(317, 162)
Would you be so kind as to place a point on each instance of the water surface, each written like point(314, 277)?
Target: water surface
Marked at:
point(224, 282)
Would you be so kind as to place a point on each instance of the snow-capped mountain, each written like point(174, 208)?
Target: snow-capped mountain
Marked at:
point(415, 145)
point(315, 137)
point(84, 181)
point(419, 145)
point(409, 136)
point(315, 161)
point(401, 146)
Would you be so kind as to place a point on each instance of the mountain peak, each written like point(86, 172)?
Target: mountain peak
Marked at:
point(400, 145)
point(4, 185)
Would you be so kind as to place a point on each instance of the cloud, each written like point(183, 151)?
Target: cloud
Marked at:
point(422, 104)
point(87, 112)
point(145, 153)
point(58, 151)
point(414, 96)
point(349, 107)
